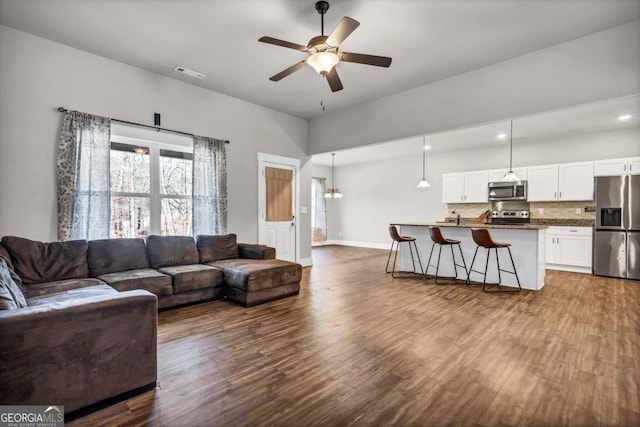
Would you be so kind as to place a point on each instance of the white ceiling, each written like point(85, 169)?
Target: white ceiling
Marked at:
point(428, 39)
point(576, 120)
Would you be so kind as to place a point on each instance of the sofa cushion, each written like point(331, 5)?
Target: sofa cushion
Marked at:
point(112, 255)
point(73, 294)
point(37, 262)
point(11, 296)
point(214, 248)
point(193, 276)
point(254, 275)
point(167, 251)
point(48, 288)
point(146, 278)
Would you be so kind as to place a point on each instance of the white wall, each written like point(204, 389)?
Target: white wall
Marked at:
point(37, 76)
point(379, 193)
point(600, 66)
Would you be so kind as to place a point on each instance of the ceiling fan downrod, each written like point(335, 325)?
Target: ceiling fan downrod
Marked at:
point(322, 7)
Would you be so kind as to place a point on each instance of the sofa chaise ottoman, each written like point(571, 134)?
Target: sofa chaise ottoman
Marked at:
point(252, 275)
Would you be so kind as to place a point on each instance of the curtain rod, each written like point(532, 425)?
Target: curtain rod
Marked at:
point(157, 128)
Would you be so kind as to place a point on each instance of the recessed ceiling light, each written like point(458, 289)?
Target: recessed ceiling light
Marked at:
point(189, 72)
point(624, 117)
point(501, 136)
point(427, 147)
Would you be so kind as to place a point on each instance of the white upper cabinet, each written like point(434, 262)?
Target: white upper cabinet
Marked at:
point(498, 174)
point(543, 183)
point(575, 181)
point(453, 188)
point(567, 181)
point(465, 187)
point(612, 167)
point(476, 186)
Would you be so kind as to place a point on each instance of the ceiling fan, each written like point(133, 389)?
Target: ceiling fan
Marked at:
point(323, 51)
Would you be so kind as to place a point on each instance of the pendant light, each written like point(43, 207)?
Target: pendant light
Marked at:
point(333, 192)
point(423, 182)
point(511, 176)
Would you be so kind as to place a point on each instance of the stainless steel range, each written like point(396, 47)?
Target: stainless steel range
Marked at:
point(510, 212)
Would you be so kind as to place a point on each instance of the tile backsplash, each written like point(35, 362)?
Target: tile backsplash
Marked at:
point(538, 210)
point(562, 210)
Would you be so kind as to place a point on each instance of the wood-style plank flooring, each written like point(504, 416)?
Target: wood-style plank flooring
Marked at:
point(358, 348)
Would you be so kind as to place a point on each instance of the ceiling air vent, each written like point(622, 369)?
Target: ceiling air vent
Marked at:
point(189, 72)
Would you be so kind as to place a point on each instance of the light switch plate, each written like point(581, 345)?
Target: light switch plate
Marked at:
point(303, 209)
point(579, 211)
point(540, 211)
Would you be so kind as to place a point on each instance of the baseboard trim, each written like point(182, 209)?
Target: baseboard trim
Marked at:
point(571, 268)
point(306, 262)
point(356, 244)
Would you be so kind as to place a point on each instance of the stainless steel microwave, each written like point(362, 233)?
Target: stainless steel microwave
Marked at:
point(508, 190)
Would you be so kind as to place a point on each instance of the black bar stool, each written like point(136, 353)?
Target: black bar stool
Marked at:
point(439, 239)
point(482, 238)
point(396, 240)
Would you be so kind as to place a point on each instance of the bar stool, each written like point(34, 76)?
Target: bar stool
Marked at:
point(439, 239)
point(396, 240)
point(482, 238)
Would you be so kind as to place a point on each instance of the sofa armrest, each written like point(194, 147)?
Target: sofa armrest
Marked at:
point(254, 251)
point(78, 352)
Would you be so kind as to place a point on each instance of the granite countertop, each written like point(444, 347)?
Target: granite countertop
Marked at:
point(535, 224)
point(566, 222)
point(476, 225)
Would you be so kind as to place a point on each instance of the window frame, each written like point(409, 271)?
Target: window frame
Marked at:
point(154, 195)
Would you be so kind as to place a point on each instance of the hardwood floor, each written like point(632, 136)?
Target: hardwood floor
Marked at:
point(357, 347)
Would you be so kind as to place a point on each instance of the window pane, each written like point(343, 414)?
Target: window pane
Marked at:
point(129, 172)
point(130, 216)
point(175, 175)
point(176, 217)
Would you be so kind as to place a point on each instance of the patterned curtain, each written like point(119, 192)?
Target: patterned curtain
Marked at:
point(84, 207)
point(319, 226)
point(209, 186)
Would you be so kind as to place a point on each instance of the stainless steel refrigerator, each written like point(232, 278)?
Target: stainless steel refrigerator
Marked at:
point(616, 251)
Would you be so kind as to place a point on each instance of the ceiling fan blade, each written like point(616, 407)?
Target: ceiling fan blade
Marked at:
point(284, 73)
point(345, 27)
point(283, 43)
point(334, 81)
point(361, 58)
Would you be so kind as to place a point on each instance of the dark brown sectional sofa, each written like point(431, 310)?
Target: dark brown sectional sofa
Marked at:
point(78, 319)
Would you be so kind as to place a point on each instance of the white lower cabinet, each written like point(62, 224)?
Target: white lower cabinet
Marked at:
point(569, 248)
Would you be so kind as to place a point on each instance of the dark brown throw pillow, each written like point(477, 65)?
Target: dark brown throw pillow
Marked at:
point(214, 248)
point(37, 262)
point(113, 255)
point(168, 251)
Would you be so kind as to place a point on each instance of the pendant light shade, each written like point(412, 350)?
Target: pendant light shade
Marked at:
point(333, 192)
point(423, 182)
point(511, 176)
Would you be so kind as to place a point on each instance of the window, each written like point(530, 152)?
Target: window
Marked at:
point(150, 189)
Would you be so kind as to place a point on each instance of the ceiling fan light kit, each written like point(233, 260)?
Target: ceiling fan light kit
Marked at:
point(323, 62)
point(323, 53)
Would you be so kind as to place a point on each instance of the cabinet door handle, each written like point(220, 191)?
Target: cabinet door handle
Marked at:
point(555, 194)
point(561, 194)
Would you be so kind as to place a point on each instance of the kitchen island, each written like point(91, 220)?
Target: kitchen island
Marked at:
point(527, 247)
